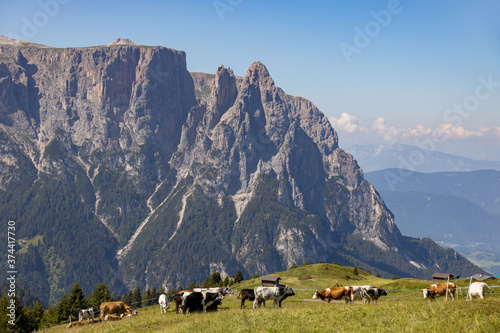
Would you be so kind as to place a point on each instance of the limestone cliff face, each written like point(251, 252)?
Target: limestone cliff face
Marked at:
point(154, 158)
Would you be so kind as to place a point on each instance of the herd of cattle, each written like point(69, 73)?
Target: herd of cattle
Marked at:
point(209, 299)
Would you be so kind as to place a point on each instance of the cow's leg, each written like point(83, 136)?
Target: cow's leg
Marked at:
point(255, 303)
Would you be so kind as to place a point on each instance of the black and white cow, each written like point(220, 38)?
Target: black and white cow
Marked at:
point(367, 293)
point(200, 301)
point(86, 314)
point(277, 294)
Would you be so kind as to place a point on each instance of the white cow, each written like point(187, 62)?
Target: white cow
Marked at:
point(86, 314)
point(163, 303)
point(277, 294)
point(477, 289)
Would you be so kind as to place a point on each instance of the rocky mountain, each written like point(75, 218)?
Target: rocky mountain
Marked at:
point(384, 156)
point(118, 166)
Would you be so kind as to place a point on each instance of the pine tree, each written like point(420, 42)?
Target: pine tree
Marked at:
point(76, 300)
point(154, 295)
point(238, 277)
point(127, 298)
point(294, 265)
point(215, 280)
point(136, 298)
point(226, 281)
point(101, 294)
point(146, 298)
point(62, 309)
point(355, 271)
point(35, 316)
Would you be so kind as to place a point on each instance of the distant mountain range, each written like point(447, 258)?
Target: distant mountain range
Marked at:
point(385, 156)
point(456, 209)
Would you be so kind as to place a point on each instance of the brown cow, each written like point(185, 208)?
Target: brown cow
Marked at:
point(439, 290)
point(330, 294)
point(117, 308)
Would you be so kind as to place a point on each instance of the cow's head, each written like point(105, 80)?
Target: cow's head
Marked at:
point(288, 291)
point(381, 292)
point(316, 294)
point(425, 292)
point(229, 290)
point(128, 308)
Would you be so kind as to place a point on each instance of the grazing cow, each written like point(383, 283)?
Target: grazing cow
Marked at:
point(439, 290)
point(277, 294)
point(200, 301)
point(372, 294)
point(247, 294)
point(477, 289)
point(358, 293)
point(337, 293)
point(367, 293)
point(163, 303)
point(117, 308)
point(86, 314)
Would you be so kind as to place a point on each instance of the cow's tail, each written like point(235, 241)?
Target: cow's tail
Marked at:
point(239, 295)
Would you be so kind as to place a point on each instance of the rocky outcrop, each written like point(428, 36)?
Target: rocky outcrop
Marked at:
point(160, 158)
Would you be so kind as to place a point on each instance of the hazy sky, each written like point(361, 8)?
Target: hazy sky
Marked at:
point(382, 71)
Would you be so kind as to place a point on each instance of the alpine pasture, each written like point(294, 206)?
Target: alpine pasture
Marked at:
point(403, 310)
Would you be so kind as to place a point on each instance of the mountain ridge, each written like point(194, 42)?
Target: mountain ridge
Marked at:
point(122, 143)
point(385, 156)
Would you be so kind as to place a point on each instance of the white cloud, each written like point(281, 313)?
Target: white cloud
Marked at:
point(451, 132)
point(347, 123)
point(379, 130)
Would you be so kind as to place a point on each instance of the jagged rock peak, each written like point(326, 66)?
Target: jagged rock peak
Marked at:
point(224, 92)
point(258, 74)
point(122, 41)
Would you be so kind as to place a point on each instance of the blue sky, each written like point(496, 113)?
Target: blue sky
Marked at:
point(410, 68)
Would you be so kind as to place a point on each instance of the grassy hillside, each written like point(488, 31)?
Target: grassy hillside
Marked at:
point(320, 276)
point(403, 309)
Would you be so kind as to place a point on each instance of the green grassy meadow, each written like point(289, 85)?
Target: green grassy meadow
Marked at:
point(404, 310)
